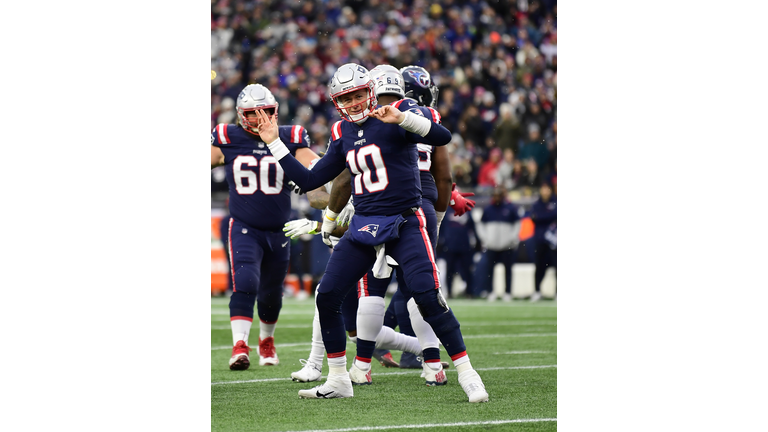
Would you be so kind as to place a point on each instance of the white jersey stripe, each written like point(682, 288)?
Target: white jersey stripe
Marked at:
point(425, 235)
point(222, 136)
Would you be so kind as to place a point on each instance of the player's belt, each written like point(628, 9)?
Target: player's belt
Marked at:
point(409, 212)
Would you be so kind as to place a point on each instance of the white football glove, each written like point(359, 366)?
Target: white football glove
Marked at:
point(345, 215)
point(296, 228)
point(329, 224)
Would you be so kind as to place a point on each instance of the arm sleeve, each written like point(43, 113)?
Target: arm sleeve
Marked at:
point(438, 135)
point(325, 170)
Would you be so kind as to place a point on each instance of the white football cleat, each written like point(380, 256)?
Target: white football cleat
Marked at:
point(310, 372)
point(473, 386)
point(336, 386)
point(492, 296)
point(507, 297)
point(359, 376)
point(434, 377)
point(267, 353)
point(536, 296)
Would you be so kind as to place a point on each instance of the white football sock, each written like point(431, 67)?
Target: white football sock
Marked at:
point(337, 365)
point(363, 366)
point(462, 364)
point(427, 336)
point(392, 340)
point(241, 329)
point(266, 330)
point(370, 317)
point(317, 353)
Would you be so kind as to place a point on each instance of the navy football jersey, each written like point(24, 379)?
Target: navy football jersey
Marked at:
point(382, 159)
point(259, 195)
point(428, 186)
point(385, 176)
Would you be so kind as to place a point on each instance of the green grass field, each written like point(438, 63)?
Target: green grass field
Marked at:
point(512, 345)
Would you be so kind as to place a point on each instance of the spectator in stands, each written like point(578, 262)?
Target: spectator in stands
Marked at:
point(487, 175)
point(499, 232)
point(506, 171)
point(507, 131)
point(532, 177)
point(544, 217)
point(534, 148)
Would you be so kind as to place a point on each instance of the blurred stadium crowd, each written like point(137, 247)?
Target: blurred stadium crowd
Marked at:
point(494, 61)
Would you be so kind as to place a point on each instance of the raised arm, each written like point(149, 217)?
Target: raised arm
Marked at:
point(324, 171)
point(419, 129)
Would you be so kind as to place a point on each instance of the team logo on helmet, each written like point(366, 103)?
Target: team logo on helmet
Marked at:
point(420, 77)
point(371, 229)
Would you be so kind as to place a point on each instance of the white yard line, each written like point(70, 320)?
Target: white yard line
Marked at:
point(508, 335)
point(524, 352)
point(464, 324)
point(432, 425)
point(410, 372)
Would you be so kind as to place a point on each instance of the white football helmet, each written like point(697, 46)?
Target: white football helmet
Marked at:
point(253, 97)
point(349, 78)
point(388, 80)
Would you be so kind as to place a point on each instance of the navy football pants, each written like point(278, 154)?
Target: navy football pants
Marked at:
point(259, 261)
point(413, 251)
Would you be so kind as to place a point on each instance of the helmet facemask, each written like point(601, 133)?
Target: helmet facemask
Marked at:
point(253, 126)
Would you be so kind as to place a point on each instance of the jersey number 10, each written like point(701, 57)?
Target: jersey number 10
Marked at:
point(358, 164)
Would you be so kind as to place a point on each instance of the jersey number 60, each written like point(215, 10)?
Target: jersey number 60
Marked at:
point(268, 188)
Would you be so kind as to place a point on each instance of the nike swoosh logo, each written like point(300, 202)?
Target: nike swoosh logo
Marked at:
point(325, 396)
point(285, 243)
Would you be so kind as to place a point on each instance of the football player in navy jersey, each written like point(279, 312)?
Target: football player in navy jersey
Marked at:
point(436, 184)
point(260, 204)
point(378, 146)
point(387, 338)
point(390, 88)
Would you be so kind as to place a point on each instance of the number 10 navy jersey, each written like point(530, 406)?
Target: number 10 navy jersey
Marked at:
point(259, 195)
point(383, 161)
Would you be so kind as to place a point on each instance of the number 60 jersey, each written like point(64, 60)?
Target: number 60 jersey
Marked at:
point(259, 195)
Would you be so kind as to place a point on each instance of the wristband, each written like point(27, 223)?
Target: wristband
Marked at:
point(278, 149)
point(330, 215)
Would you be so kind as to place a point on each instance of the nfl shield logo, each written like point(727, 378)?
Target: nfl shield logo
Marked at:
point(359, 133)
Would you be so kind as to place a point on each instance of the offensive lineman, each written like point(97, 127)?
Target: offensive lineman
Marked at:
point(260, 204)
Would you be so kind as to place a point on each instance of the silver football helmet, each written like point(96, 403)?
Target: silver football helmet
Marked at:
point(349, 78)
point(253, 97)
point(388, 80)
